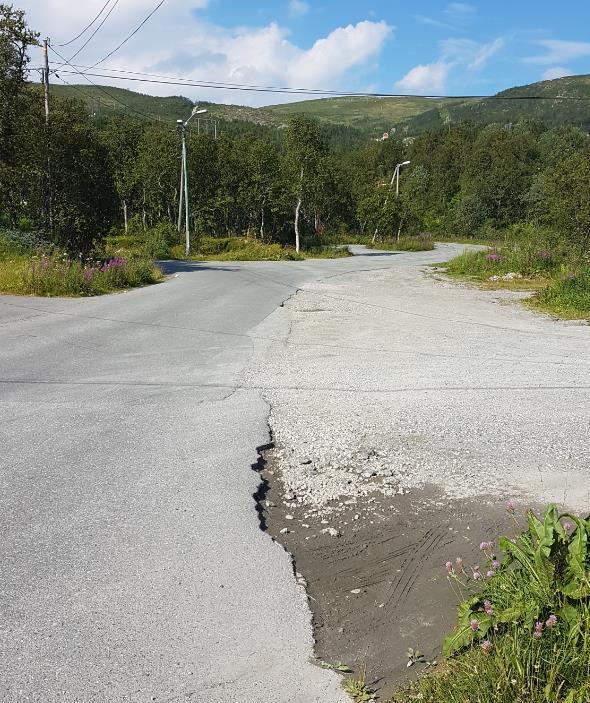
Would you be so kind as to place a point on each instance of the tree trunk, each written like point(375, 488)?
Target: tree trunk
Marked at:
point(262, 224)
point(125, 216)
point(298, 212)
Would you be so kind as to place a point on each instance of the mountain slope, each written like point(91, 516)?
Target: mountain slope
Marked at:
point(369, 117)
point(557, 106)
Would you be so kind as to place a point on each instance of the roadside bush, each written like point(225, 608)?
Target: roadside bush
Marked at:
point(158, 240)
point(237, 249)
point(14, 242)
point(568, 294)
point(525, 635)
point(420, 242)
point(59, 275)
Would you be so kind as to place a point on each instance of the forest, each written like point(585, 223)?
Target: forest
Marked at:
point(79, 179)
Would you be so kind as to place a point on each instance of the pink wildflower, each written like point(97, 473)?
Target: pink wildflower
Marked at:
point(551, 621)
point(449, 566)
point(538, 633)
point(510, 506)
point(459, 564)
point(487, 606)
point(487, 646)
point(474, 625)
point(477, 575)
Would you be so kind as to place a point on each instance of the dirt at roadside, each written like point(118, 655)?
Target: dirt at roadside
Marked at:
point(375, 573)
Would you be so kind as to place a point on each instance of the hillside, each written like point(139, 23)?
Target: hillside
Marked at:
point(370, 116)
point(365, 116)
point(557, 107)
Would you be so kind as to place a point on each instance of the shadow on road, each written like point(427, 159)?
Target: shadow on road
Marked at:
point(170, 267)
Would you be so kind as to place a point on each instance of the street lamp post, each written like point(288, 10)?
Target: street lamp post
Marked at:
point(394, 179)
point(184, 177)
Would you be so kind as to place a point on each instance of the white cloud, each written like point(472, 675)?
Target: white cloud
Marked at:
point(178, 42)
point(433, 22)
point(298, 8)
point(556, 72)
point(460, 9)
point(454, 53)
point(429, 78)
point(485, 53)
point(468, 52)
point(342, 49)
point(559, 51)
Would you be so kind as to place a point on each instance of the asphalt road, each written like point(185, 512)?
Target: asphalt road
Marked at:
point(133, 566)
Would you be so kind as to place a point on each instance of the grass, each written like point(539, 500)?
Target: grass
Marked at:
point(567, 295)
point(562, 289)
point(523, 631)
point(418, 243)
point(58, 275)
point(248, 249)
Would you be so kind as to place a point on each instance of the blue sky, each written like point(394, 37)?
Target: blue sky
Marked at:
point(428, 47)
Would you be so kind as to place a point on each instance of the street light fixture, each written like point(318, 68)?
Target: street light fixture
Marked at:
point(181, 124)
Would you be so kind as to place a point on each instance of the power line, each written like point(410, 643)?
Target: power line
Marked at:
point(133, 33)
point(163, 80)
point(86, 28)
point(83, 93)
point(91, 37)
point(100, 88)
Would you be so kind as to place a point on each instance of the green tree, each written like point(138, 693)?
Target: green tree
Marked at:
point(304, 151)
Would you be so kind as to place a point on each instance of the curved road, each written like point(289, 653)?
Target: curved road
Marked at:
point(133, 566)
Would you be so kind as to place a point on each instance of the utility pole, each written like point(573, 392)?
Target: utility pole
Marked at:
point(181, 194)
point(46, 78)
point(47, 137)
point(394, 179)
point(181, 124)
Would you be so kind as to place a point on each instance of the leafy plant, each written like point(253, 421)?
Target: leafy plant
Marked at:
point(545, 572)
point(358, 690)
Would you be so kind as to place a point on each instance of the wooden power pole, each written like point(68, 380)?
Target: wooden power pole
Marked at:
point(46, 78)
point(46, 91)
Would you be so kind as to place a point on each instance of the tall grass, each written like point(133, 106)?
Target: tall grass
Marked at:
point(568, 294)
point(51, 275)
point(421, 242)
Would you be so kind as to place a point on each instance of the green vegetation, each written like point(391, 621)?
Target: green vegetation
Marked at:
point(568, 294)
point(57, 274)
point(371, 116)
point(421, 242)
point(524, 632)
point(107, 183)
point(558, 109)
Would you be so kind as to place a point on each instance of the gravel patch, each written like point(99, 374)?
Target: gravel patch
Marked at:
point(386, 380)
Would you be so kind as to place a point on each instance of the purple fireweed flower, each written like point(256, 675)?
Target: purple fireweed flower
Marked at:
point(551, 621)
point(538, 633)
point(449, 566)
point(510, 506)
point(487, 646)
point(474, 625)
point(494, 257)
point(488, 608)
point(89, 274)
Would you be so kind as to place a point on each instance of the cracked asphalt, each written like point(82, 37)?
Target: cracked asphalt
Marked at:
point(133, 566)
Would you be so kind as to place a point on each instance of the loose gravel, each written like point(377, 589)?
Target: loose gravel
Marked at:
point(392, 379)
